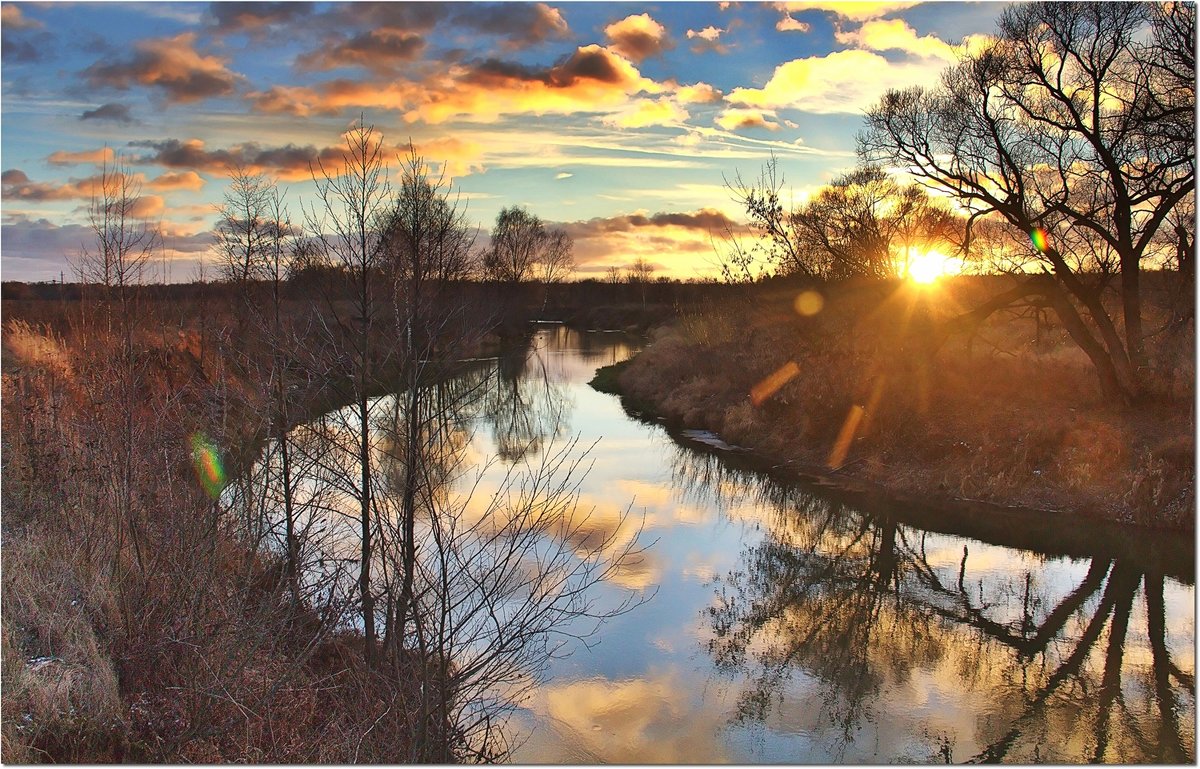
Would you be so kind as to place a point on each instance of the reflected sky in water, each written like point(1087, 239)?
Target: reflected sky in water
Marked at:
point(783, 626)
point(788, 628)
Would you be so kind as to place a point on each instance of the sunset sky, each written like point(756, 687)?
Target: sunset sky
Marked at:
point(617, 121)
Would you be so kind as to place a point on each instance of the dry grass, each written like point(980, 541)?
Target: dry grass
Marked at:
point(1010, 412)
point(136, 625)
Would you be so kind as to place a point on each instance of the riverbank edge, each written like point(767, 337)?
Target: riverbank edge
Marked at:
point(1069, 532)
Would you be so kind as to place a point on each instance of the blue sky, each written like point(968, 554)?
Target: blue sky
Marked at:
point(617, 121)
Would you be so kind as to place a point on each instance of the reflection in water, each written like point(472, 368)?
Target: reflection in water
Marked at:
point(482, 571)
point(854, 603)
point(786, 627)
point(525, 406)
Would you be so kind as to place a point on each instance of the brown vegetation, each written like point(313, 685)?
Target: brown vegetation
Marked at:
point(139, 621)
point(863, 379)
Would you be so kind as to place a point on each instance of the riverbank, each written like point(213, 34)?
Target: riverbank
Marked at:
point(144, 621)
point(851, 384)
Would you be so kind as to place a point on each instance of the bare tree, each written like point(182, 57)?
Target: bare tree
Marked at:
point(523, 248)
point(124, 240)
point(557, 259)
point(352, 201)
point(124, 243)
point(243, 230)
point(1068, 127)
point(865, 223)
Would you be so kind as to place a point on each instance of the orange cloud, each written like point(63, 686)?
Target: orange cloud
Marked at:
point(62, 158)
point(188, 180)
point(638, 37)
point(171, 64)
point(147, 207)
point(457, 157)
point(12, 18)
point(736, 118)
point(698, 93)
point(16, 185)
point(590, 79)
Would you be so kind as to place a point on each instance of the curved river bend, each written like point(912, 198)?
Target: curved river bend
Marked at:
point(778, 624)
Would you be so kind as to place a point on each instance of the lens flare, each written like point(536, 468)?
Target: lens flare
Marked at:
point(207, 460)
point(769, 386)
point(1040, 239)
point(809, 303)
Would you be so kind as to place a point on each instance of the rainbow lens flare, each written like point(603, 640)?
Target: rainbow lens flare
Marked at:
point(1040, 240)
point(209, 470)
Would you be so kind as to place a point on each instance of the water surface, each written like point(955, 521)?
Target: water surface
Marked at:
point(773, 623)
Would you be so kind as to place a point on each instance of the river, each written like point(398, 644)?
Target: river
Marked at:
point(770, 622)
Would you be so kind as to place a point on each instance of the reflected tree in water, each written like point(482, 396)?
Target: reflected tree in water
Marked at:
point(524, 405)
point(463, 589)
point(851, 601)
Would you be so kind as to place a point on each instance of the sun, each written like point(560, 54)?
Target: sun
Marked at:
point(925, 267)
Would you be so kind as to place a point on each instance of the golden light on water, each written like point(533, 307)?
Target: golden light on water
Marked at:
point(925, 267)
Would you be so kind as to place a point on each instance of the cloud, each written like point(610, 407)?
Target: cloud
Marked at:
point(300, 101)
point(289, 161)
point(704, 220)
point(737, 118)
point(788, 24)
point(171, 64)
point(678, 243)
point(711, 34)
point(147, 207)
point(12, 18)
point(649, 112)
point(707, 39)
point(853, 11)
point(62, 158)
point(379, 50)
point(117, 113)
point(22, 38)
point(39, 249)
point(518, 25)
point(698, 93)
point(590, 79)
point(522, 24)
point(841, 82)
point(187, 180)
point(16, 185)
point(256, 16)
point(457, 157)
point(638, 37)
point(897, 35)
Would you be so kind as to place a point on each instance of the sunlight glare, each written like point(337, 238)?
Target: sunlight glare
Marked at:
point(925, 267)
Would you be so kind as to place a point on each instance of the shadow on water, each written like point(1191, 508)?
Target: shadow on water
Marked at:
point(1059, 670)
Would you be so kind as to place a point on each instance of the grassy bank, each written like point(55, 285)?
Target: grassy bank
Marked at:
point(858, 381)
point(142, 621)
